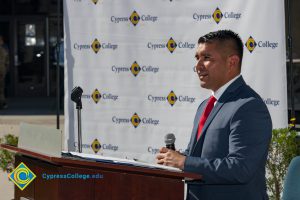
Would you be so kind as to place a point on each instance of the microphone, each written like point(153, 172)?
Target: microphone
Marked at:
point(170, 141)
point(76, 96)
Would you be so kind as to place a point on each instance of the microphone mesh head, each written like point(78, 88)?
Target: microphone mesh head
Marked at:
point(170, 138)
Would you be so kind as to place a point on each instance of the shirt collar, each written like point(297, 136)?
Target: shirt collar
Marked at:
point(217, 94)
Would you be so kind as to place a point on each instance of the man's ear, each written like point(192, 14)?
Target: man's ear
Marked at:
point(233, 62)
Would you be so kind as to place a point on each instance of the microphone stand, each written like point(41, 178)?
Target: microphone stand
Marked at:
point(76, 97)
point(79, 107)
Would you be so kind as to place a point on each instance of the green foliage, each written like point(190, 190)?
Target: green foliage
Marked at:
point(283, 148)
point(7, 159)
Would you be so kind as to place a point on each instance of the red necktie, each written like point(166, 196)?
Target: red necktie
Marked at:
point(205, 114)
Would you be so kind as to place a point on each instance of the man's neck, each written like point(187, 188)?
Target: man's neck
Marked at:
point(218, 93)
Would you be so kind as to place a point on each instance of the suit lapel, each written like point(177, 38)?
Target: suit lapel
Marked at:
point(229, 92)
point(211, 116)
point(197, 119)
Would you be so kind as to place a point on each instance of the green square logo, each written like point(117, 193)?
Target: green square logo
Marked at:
point(22, 176)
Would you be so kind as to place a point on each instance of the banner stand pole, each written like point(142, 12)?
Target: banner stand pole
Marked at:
point(290, 59)
point(57, 66)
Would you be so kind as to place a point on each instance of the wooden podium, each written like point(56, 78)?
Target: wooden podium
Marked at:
point(118, 182)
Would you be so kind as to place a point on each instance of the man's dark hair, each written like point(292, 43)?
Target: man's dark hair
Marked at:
point(223, 36)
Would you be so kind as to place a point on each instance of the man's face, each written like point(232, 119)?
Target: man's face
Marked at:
point(211, 66)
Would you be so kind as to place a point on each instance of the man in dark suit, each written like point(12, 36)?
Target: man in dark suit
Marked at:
point(232, 129)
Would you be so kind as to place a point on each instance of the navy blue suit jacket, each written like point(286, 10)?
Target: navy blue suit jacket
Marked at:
point(232, 150)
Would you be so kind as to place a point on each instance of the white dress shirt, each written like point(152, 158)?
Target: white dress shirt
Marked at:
point(217, 94)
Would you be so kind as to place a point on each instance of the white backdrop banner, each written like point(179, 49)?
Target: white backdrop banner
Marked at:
point(134, 61)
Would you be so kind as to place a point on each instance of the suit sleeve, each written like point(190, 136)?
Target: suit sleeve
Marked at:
point(249, 137)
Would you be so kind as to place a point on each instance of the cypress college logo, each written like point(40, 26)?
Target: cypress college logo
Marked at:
point(170, 45)
point(95, 46)
point(217, 16)
point(96, 96)
point(134, 18)
point(251, 44)
point(96, 146)
point(135, 120)
point(171, 98)
point(22, 176)
point(135, 69)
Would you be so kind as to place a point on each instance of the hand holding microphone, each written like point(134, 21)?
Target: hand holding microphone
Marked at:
point(168, 156)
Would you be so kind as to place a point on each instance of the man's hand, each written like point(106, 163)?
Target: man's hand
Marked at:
point(170, 158)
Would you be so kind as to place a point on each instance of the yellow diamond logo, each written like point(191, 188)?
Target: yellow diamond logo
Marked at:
point(172, 98)
point(96, 146)
point(134, 18)
point(95, 1)
point(217, 15)
point(171, 45)
point(135, 120)
point(96, 96)
point(22, 176)
point(250, 44)
point(96, 46)
point(135, 68)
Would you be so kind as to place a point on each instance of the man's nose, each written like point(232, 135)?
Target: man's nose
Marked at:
point(199, 65)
